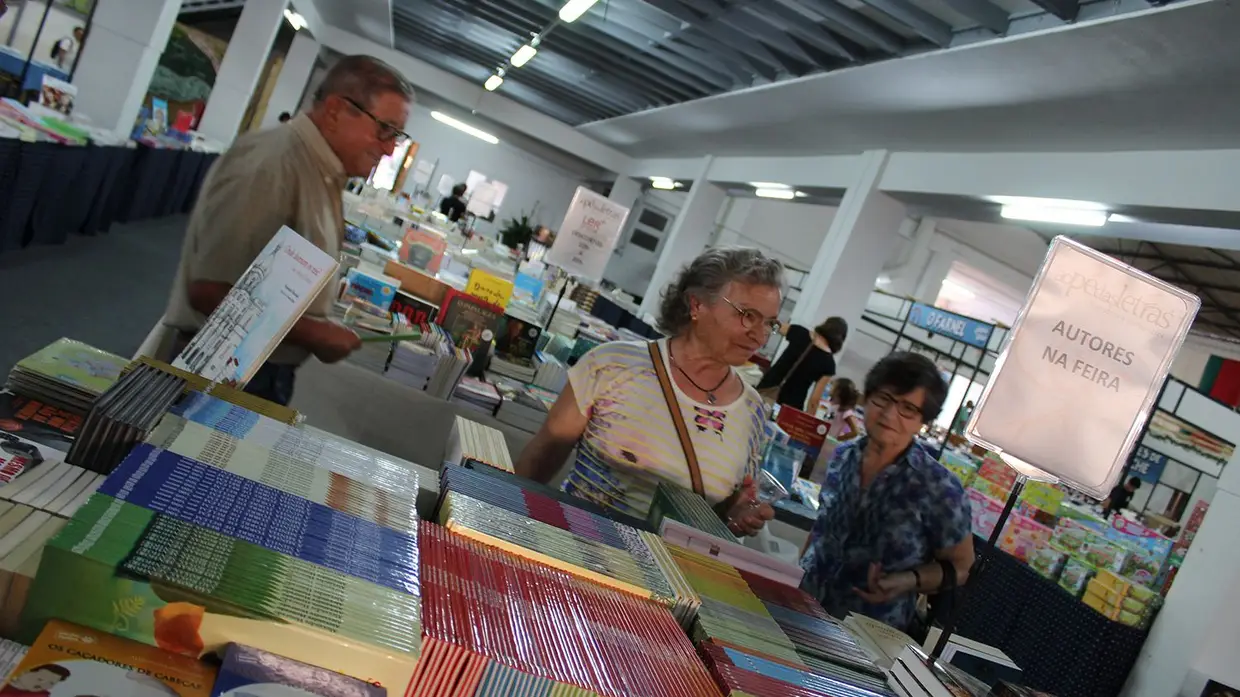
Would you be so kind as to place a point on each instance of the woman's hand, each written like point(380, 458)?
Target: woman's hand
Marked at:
point(884, 588)
point(747, 516)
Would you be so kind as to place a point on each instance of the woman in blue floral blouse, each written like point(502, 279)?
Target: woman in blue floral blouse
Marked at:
point(892, 521)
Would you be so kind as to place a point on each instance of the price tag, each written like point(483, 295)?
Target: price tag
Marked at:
point(489, 287)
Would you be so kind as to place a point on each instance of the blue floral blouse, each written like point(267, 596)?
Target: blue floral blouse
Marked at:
point(911, 509)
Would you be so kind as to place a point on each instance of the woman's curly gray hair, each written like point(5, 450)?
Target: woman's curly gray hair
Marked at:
point(706, 275)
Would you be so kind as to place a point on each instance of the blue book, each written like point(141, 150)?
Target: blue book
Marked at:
point(251, 672)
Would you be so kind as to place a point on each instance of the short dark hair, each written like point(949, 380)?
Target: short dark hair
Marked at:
point(1135, 482)
point(285, 116)
point(834, 330)
point(705, 277)
point(903, 372)
point(362, 78)
point(844, 392)
point(459, 190)
point(54, 668)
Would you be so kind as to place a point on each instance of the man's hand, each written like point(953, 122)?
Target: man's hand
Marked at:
point(747, 516)
point(332, 342)
point(884, 588)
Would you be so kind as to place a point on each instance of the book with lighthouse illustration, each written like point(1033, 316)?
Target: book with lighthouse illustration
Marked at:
point(259, 311)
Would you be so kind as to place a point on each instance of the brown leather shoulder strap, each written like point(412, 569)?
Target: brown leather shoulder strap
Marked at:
point(797, 364)
point(678, 419)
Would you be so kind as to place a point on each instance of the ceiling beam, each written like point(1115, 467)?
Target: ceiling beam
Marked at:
point(848, 22)
point(753, 52)
point(1067, 10)
point(1162, 257)
point(694, 36)
point(931, 28)
point(781, 17)
point(1188, 280)
point(773, 37)
point(984, 12)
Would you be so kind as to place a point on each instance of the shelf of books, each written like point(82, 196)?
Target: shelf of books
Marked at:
point(163, 533)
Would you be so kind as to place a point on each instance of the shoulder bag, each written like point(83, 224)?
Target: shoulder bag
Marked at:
point(771, 394)
point(678, 419)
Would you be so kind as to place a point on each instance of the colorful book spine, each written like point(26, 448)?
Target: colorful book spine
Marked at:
point(253, 512)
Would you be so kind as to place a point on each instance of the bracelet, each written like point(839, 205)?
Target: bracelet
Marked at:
point(916, 580)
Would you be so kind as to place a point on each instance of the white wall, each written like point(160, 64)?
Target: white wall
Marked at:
point(793, 231)
point(60, 23)
point(531, 180)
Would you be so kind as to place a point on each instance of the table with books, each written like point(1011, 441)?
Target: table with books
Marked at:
point(164, 532)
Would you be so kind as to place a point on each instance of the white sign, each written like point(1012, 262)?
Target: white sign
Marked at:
point(588, 234)
point(1082, 367)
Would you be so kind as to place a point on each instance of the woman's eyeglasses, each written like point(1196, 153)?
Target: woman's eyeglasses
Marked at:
point(752, 319)
point(386, 131)
point(908, 410)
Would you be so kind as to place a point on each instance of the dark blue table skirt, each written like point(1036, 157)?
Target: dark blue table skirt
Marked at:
point(52, 191)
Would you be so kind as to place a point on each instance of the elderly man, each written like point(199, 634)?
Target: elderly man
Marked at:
point(288, 176)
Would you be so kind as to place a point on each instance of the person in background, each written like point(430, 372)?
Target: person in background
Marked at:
point(65, 51)
point(892, 521)
point(285, 117)
point(718, 311)
point(843, 398)
point(1120, 496)
point(289, 176)
point(962, 418)
point(454, 206)
point(808, 361)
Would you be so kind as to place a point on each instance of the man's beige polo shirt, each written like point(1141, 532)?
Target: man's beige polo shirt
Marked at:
point(286, 175)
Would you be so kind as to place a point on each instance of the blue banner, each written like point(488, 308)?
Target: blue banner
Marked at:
point(1147, 464)
point(950, 324)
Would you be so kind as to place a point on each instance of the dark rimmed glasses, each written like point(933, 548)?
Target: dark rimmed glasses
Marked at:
point(386, 132)
point(751, 319)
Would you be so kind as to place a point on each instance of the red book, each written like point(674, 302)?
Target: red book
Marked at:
point(470, 322)
point(807, 431)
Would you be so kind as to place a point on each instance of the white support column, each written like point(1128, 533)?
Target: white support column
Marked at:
point(903, 278)
point(860, 239)
point(938, 266)
point(119, 58)
point(291, 82)
point(690, 234)
point(242, 66)
point(625, 192)
point(731, 223)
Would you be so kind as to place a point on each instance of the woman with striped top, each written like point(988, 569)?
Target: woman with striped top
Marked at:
point(720, 310)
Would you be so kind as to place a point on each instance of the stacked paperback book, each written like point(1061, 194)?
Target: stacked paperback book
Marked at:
point(431, 363)
point(552, 373)
point(123, 416)
point(66, 374)
point(269, 545)
point(523, 406)
point(684, 506)
point(562, 637)
point(477, 394)
point(471, 440)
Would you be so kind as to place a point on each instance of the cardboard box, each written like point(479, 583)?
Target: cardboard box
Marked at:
point(1023, 535)
point(416, 283)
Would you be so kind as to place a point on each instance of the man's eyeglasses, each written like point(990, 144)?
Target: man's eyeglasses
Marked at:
point(386, 130)
point(751, 319)
point(906, 409)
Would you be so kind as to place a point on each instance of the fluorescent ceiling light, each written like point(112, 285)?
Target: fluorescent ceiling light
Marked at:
point(574, 9)
point(1024, 201)
point(663, 183)
point(783, 194)
point(769, 185)
point(1064, 216)
point(493, 83)
point(462, 126)
point(801, 194)
point(523, 55)
point(295, 19)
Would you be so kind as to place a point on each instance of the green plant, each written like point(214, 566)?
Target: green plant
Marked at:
point(517, 232)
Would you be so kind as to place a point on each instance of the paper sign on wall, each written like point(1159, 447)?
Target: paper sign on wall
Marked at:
point(588, 235)
point(1082, 367)
point(489, 287)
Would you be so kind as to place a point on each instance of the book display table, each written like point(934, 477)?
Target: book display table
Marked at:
point(56, 190)
point(1063, 645)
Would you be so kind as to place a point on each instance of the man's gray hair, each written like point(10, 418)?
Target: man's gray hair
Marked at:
point(362, 78)
point(706, 275)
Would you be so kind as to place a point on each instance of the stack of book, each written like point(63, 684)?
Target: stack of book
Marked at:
point(66, 374)
point(228, 397)
point(641, 566)
point(544, 629)
point(474, 441)
point(123, 416)
point(48, 426)
point(522, 369)
point(882, 642)
point(477, 394)
point(741, 673)
point(249, 671)
point(523, 406)
point(24, 533)
point(431, 363)
point(11, 654)
point(730, 613)
point(187, 556)
point(552, 373)
point(828, 649)
point(376, 328)
point(684, 506)
point(914, 674)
